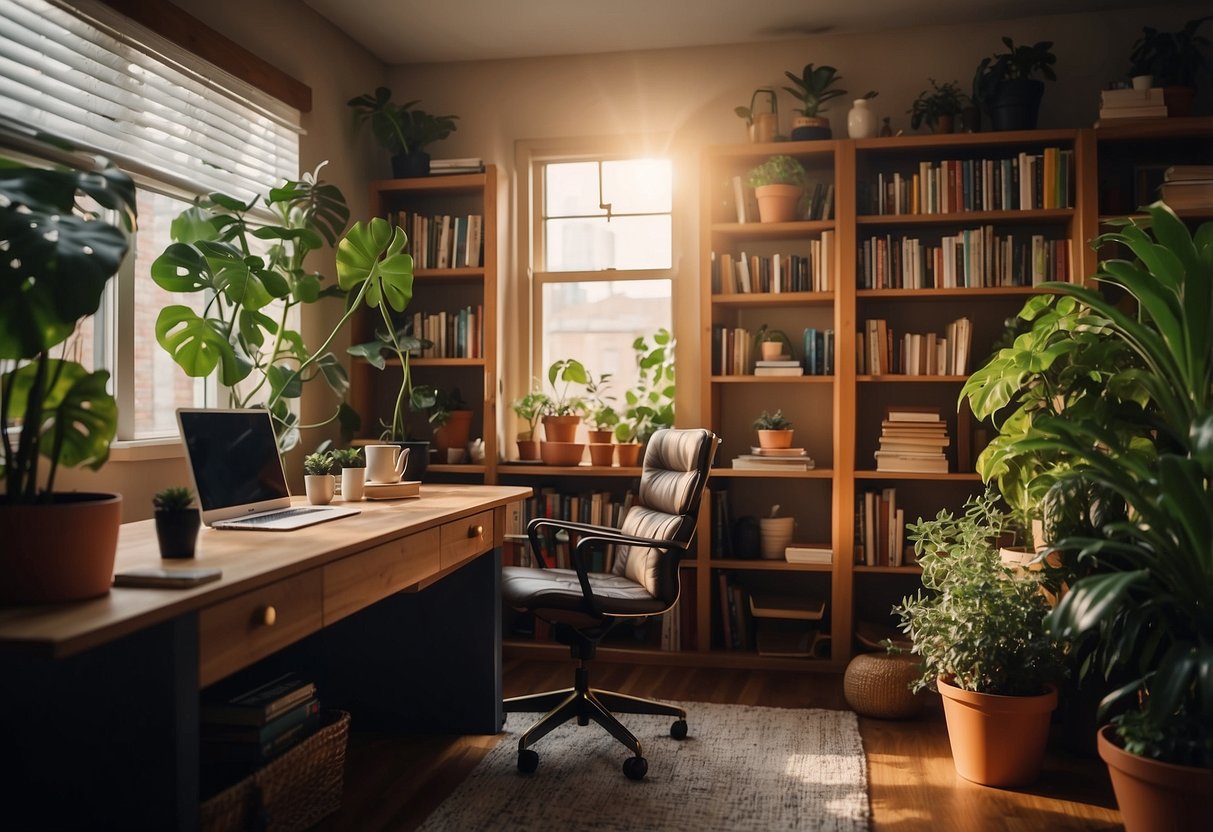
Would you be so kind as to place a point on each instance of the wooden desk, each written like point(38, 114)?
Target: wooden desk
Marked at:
point(99, 700)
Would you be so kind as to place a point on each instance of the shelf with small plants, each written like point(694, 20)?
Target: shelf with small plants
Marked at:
point(770, 303)
point(451, 222)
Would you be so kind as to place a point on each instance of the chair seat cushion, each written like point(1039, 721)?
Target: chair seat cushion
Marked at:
point(537, 590)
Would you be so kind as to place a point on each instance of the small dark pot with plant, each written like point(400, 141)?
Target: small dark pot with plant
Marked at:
point(1005, 84)
point(177, 522)
point(411, 165)
point(1016, 105)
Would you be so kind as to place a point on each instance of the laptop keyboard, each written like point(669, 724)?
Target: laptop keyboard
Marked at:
point(276, 516)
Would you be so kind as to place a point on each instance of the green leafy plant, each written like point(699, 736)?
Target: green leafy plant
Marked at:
point(1143, 610)
point(562, 375)
point(348, 458)
point(649, 406)
point(600, 414)
point(252, 280)
point(445, 402)
point(317, 464)
point(1018, 62)
point(777, 170)
point(944, 99)
point(174, 498)
point(976, 623)
point(813, 88)
point(772, 421)
point(530, 409)
point(59, 254)
point(400, 128)
point(1173, 58)
point(767, 334)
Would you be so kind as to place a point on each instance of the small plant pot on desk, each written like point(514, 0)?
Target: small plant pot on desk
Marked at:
point(320, 488)
point(177, 532)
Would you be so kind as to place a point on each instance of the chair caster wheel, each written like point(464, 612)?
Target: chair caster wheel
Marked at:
point(528, 761)
point(635, 768)
point(679, 730)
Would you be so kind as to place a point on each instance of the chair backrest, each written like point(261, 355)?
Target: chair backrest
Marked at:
point(676, 468)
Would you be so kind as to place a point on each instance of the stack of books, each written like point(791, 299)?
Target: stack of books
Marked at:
point(880, 529)
point(1188, 187)
point(1118, 104)
point(774, 459)
point(250, 726)
point(913, 439)
point(440, 167)
point(808, 553)
point(782, 366)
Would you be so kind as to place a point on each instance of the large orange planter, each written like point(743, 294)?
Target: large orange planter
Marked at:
point(59, 551)
point(997, 740)
point(560, 428)
point(1155, 796)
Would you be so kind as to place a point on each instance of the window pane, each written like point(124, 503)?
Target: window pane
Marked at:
point(571, 189)
point(160, 385)
point(596, 322)
point(596, 245)
point(637, 186)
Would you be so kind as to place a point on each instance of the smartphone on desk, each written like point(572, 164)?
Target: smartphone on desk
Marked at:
point(158, 576)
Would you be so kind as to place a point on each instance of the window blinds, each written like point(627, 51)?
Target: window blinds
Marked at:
point(70, 75)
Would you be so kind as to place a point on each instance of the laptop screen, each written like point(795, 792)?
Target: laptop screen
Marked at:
point(234, 457)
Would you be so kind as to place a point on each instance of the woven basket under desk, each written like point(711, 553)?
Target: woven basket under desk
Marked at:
point(292, 792)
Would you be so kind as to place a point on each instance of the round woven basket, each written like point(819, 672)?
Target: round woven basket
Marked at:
point(878, 685)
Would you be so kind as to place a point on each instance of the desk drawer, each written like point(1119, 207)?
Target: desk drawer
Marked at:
point(362, 579)
point(249, 627)
point(464, 539)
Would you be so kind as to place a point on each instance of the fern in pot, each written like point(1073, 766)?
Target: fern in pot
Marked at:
point(979, 626)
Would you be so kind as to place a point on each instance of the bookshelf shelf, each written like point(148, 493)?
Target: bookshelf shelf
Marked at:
point(773, 298)
point(743, 473)
point(752, 379)
point(960, 218)
point(767, 565)
point(771, 230)
point(456, 274)
point(526, 470)
point(887, 570)
point(899, 378)
point(914, 475)
point(975, 293)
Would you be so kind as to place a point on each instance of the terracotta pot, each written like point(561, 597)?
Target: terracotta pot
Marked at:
point(1178, 100)
point(629, 454)
point(528, 449)
point(61, 551)
point(454, 434)
point(997, 740)
point(560, 428)
point(1155, 796)
point(600, 436)
point(943, 124)
point(777, 203)
point(562, 453)
point(602, 454)
point(771, 350)
point(177, 532)
point(775, 438)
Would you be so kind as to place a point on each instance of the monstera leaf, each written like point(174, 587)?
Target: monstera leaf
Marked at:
point(372, 253)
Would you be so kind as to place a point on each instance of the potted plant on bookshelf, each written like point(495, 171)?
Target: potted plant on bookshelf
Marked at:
point(1006, 87)
point(778, 184)
point(980, 630)
point(813, 88)
point(318, 480)
point(452, 423)
point(402, 130)
point(530, 409)
point(1175, 60)
point(774, 430)
point(773, 344)
point(244, 336)
point(761, 125)
point(58, 258)
point(177, 522)
point(1148, 572)
point(352, 465)
point(939, 107)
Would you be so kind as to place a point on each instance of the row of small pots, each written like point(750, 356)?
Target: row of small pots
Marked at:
point(570, 453)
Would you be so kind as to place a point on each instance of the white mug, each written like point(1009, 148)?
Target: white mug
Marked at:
point(385, 463)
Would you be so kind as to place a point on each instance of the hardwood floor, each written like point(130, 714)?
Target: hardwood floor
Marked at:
point(394, 783)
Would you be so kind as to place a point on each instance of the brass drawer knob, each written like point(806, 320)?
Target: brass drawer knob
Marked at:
point(475, 531)
point(269, 615)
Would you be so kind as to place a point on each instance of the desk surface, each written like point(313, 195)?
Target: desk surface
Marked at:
point(249, 559)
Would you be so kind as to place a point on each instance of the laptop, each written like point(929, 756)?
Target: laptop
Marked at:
point(237, 472)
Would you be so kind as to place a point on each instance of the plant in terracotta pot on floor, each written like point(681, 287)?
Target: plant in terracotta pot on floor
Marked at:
point(979, 627)
point(938, 107)
point(318, 481)
point(59, 254)
point(778, 184)
point(774, 430)
point(813, 87)
point(177, 522)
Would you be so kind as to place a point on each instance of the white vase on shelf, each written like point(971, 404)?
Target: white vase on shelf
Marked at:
point(861, 121)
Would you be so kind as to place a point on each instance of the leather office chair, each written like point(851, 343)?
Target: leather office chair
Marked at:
point(583, 606)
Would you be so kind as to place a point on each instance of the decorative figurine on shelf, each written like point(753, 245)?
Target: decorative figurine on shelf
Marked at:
point(886, 129)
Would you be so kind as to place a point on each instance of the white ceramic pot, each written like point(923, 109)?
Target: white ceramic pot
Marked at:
point(353, 484)
point(319, 488)
point(861, 121)
point(1142, 82)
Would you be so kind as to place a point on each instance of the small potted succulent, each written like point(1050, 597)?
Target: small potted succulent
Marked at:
point(352, 465)
point(981, 631)
point(813, 88)
point(774, 430)
point(778, 184)
point(318, 478)
point(939, 107)
point(177, 522)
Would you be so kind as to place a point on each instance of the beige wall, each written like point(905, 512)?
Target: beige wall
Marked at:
point(687, 95)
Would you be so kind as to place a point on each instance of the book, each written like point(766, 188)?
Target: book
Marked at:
point(803, 553)
point(777, 605)
point(912, 466)
point(264, 733)
point(784, 362)
point(258, 705)
point(777, 452)
point(743, 463)
point(779, 371)
point(905, 413)
point(163, 578)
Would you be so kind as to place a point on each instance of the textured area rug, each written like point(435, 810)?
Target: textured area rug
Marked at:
point(741, 768)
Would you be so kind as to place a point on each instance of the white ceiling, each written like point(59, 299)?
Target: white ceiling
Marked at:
point(439, 31)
